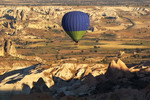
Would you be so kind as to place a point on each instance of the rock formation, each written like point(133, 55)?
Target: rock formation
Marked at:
point(117, 70)
point(8, 48)
point(69, 81)
point(39, 87)
point(117, 83)
point(47, 78)
point(40, 17)
point(120, 54)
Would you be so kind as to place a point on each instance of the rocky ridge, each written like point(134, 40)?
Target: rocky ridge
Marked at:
point(68, 80)
point(15, 20)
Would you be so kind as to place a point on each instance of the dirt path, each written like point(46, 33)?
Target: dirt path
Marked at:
point(129, 27)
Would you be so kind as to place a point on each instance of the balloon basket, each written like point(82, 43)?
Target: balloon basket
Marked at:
point(76, 43)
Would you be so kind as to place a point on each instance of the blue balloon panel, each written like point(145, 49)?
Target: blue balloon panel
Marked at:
point(75, 21)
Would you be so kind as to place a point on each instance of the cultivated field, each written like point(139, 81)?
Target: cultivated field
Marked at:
point(37, 31)
point(39, 60)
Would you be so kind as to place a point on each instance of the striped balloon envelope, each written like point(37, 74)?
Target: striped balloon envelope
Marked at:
point(75, 24)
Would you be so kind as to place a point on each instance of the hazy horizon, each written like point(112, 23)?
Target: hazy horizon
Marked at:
point(75, 2)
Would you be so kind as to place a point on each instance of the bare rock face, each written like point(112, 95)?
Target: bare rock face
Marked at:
point(12, 49)
point(110, 13)
point(2, 52)
point(74, 87)
point(120, 54)
point(93, 29)
point(34, 80)
point(25, 89)
point(39, 86)
point(113, 70)
point(8, 48)
point(141, 10)
point(49, 17)
point(122, 65)
point(20, 15)
point(68, 70)
point(78, 80)
point(142, 67)
point(147, 70)
point(116, 70)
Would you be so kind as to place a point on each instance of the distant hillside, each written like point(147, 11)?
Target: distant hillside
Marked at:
point(75, 2)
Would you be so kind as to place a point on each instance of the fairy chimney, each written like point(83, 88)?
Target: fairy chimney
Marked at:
point(120, 54)
point(7, 48)
point(116, 70)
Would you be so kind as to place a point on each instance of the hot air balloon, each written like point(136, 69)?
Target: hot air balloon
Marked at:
point(75, 24)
